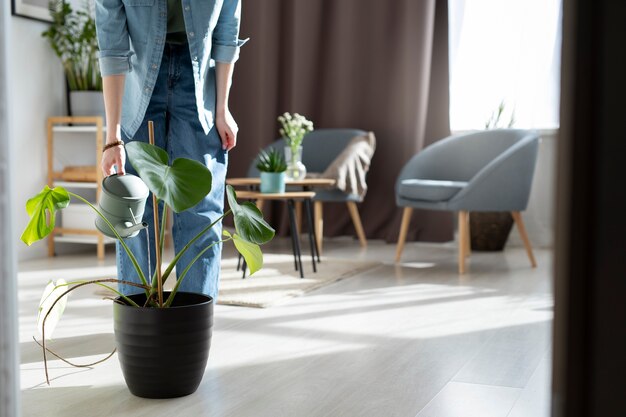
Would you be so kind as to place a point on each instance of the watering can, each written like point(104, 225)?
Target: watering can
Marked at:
point(122, 202)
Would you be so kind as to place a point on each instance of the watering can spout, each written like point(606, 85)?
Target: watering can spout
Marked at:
point(128, 229)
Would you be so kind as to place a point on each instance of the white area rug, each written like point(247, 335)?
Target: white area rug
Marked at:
point(278, 281)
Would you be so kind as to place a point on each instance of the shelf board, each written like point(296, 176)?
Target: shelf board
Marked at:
point(75, 184)
point(77, 129)
point(92, 239)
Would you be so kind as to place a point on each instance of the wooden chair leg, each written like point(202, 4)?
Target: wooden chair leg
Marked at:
point(51, 245)
point(517, 216)
point(259, 204)
point(404, 228)
point(318, 210)
point(356, 220)
point(463, 232)
point(100, 247)
point(468, 240)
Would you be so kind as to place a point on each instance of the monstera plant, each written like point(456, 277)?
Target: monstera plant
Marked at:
point(161, 322)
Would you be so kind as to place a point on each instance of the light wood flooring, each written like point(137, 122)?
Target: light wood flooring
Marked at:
point(407, 340)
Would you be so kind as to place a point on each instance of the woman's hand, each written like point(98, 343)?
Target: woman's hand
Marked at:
point(112, 158)
point(227, 129)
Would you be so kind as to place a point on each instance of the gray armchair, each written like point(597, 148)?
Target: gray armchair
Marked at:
point(490, 170)
point(319, 150)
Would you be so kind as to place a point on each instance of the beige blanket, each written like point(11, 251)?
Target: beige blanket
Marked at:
point(351, 165)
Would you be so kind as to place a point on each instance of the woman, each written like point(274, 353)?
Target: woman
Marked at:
point(171, 62)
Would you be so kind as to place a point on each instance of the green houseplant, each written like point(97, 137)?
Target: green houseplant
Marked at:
point(272, 166)
point(489, 231)
point(161, 322)
point(72, 37)
point(293, 129)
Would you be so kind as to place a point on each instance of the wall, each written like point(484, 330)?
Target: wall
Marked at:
point(36, 91)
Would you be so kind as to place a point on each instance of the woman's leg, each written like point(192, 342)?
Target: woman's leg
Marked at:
point(156, 113)
point(186, 138)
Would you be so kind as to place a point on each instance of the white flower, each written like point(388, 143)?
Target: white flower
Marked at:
point(294, 128)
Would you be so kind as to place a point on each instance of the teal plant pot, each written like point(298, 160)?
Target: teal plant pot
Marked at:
point(272, 182)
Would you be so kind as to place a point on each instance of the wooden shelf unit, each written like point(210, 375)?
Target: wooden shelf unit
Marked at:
point(85, 126)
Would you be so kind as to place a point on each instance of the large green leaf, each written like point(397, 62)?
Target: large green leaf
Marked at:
point(249, 220)
point(182, 185)
point(251, 252)
point(42, 209)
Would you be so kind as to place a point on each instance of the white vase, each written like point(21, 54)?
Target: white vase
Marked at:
point(295, 168)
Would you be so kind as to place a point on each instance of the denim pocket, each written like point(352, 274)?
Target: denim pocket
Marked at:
point(139, 2)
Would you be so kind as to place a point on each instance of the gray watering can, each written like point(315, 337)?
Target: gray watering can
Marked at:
point(122, 201)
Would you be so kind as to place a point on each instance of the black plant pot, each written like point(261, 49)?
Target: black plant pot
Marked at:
point(164, 351)
point(489, 231)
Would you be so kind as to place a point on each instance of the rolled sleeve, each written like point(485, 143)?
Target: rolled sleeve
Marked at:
point(115, 62)
point(113, 40)
point(227, 53)
point(226, 42)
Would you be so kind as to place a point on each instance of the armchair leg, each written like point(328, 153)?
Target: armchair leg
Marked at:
point(517, 216)
point(463, 239)
point(356, 220)
point(318, 213)
point(468, 237)
point(404, 227)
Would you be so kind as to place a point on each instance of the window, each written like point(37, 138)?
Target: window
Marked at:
point(505, 51)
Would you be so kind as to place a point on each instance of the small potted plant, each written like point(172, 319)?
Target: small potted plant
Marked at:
point(272, 166)
point(162, 337)
point(293, 128)
point(72, 36)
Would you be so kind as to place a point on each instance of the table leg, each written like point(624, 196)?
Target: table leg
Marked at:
point(312, 240)
point(299, 216)
point(294, 236)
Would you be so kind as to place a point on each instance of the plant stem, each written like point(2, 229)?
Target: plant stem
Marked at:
point(119, 238)
point(76, 365)
point(170, 299)
point(163, 219)
point(43, 323)
point(171, 266)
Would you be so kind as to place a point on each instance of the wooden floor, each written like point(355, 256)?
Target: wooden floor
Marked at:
point(414, 339)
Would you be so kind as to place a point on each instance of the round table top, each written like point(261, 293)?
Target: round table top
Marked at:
point(306, 182)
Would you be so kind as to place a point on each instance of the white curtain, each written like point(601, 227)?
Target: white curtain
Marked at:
point(505, 51)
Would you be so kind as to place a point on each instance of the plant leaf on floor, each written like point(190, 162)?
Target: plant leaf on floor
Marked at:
point(50, 294)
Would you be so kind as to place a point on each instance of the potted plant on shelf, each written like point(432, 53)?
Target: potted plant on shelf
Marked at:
point(72, 36)
point(162, 337)
point(272, 167)
point(293, 128)
point(489, 231)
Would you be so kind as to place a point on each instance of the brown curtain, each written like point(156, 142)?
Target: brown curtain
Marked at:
point(368, 64)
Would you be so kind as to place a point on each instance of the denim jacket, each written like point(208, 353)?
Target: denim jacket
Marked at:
point(131, 36)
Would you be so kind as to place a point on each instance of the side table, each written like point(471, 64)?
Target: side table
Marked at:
point(291, 197)
point(307, 184)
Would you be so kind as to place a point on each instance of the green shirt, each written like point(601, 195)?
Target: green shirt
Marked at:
point(175, 22)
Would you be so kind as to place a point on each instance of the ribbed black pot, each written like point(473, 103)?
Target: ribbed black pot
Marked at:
point(489, 231)
point(164, 351)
